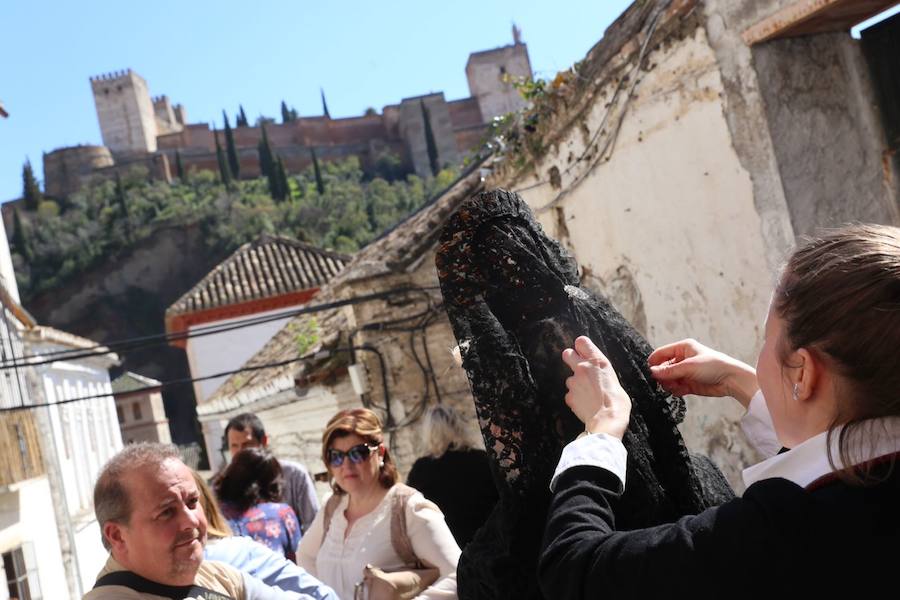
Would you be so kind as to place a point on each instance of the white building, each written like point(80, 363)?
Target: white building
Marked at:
point(28, 515)
point(85, 433)
point(261, 279)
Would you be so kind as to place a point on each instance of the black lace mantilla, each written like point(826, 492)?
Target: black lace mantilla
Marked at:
point(514, 300)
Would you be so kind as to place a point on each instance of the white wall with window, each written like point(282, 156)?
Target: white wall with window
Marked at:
point(85, 432)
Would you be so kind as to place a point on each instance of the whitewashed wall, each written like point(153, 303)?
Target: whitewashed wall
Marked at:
point(85, 435)
point(26, 517)
point(668, 227)
point(220, 352)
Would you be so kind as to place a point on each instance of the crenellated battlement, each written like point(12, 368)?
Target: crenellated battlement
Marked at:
point(111, 76)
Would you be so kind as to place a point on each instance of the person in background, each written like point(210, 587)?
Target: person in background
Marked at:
point(249, 490)
point(355, 531)
point(246, 431)
point(819, 517)
point(248, 555)
point(454, 475)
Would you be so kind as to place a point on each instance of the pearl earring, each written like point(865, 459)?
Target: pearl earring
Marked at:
point(381, 463)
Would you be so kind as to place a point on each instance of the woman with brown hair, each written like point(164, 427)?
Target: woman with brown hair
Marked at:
point(355, 527)
point(818, 515)
point(249, 490)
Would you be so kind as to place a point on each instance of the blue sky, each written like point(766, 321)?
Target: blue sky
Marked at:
point(214, 55)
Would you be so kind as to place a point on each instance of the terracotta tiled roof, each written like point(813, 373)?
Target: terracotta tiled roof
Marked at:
point(270, 266)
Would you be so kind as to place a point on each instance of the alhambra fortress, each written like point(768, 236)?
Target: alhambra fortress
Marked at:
point(138, 129)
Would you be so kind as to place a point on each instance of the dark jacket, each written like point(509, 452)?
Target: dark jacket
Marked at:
point(460, 483)
point(777, 538)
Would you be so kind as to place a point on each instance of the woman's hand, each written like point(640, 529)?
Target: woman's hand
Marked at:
point(689, 367)
point(595, 394)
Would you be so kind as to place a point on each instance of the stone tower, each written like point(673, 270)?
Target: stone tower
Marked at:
point(126, 113)
point(490, 74)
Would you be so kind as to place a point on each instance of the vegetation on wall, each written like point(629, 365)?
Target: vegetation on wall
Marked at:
point(343, 211)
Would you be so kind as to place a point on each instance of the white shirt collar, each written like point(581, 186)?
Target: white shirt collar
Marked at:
point(809, 461)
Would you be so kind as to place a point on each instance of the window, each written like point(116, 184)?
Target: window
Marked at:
point(23, 446)
point(136, 409)
point(21, 573)
point(120, 414)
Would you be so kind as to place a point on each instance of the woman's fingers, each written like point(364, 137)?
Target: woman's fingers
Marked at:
point(588, 350)
point(571, 358)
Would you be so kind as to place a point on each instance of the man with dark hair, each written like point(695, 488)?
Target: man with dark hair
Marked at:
point(151, 521)
point(246, 431)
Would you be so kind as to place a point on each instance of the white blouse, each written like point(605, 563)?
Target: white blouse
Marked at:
point(339, 562)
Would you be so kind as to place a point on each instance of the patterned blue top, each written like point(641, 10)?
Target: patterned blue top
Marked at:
point(272, 524)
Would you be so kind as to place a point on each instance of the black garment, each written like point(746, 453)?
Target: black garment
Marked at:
point(460, 483)
point(514, 299)
point(778, 538)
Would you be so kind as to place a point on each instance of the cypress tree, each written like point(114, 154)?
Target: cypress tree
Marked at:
point(31, 191)
point(278, 184)
point(20, 242)
point(430, 144)
point(241, 119)
point(266, 156)
point(179, 167)
point(283, 180)
point(122, 201)
point(320, 184)
point(324, 104)
point(224, 171)
point(285, 113)
point(231, 150)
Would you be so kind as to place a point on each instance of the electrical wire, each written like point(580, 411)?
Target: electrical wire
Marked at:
point(137, 343)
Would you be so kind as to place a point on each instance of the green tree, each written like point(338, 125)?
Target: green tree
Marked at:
point(224, 170)
point(121, 199)
point(278, 182)
point(179, 166)
point(241, 119)
point(430, 144)
point(31, 191)
point(320, 183)
point(20, 241)
point(324, 104)
point(266, 155)
point(231, 149)
point(288, 114)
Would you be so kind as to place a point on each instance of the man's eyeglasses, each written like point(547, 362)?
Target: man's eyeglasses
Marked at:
point(356, 454)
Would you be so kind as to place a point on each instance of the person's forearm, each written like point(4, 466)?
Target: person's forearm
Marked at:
point(742, 383)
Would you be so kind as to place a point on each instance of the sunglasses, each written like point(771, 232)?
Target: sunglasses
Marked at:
point(356, 454)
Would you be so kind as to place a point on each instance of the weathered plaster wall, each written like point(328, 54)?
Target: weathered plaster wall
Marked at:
point(826, 131)
point(669, 226)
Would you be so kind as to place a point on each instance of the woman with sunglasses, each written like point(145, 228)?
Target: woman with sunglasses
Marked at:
point(355, 530)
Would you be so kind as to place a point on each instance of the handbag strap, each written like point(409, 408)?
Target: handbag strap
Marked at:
point(400, 539)
point(330, 506)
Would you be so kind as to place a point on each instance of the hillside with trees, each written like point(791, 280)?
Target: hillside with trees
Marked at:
point(333, 205)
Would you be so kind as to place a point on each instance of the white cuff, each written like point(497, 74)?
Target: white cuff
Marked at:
point(757, 426)
point(595, 450)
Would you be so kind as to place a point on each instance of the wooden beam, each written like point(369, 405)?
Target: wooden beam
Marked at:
point(804, 17)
